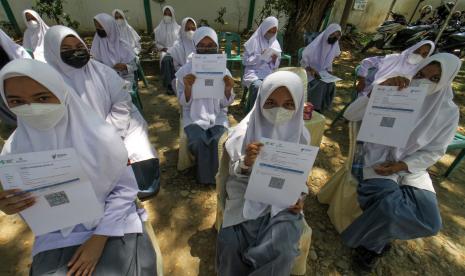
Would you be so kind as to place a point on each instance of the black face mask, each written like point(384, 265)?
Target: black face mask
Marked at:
point(4, 58)
point(101, 33)
point(206, 51)
point(332, 40)
point(76, 58)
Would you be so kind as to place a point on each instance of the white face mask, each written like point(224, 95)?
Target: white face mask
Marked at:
point(431, 86)
point(167, 19)
point(120, 22)
point(41, 116)
point(190, 34)
point(278, 115)
point(33, 24)
point(414, 59)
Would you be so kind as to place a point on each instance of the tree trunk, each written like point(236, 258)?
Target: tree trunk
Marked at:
point(305, 16)
point(345, 14)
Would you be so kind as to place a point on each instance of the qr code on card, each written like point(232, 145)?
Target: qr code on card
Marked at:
point(208, 82)
point(387, 122)
point(276, 182)
point(57, 199)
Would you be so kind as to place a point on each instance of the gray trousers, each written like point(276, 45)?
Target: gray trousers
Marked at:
point(391, 212)
point(262, 247)
point(131, 255)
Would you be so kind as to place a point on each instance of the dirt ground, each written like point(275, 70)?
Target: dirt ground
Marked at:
point(183, 213)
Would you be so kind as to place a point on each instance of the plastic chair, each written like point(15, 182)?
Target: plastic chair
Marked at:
point(230, 39)
point(30, 52)
point(457, 143)
point(353, 96)
point(299, 54)
point(140, 73)
point(135, 88)
point(300, 263)
point(151, 233)
point(284, 56)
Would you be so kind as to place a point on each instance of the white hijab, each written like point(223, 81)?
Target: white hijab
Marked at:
point(13, 50)
point(34, 38)
point(202, 111)
point(127, 33)
point(93, 83)
point(257, 42)
point(110, 50)
point(398, 63)
point(184, 46)
point(165, 33)
point(255, 126)
point(99, 148)
point(319, 54)
point(437, 121)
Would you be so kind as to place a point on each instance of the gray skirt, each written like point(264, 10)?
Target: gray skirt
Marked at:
point(321, 94)
point(132, 255)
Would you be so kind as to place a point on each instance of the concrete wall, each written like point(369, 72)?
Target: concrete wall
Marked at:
point(84, 10)
point(376, 11)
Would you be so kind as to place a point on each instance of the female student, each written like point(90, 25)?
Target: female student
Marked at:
point(204, 119)
point(397, 195)
point(50, 116)
point(184, 46)
point(262, 56)
point(33, 37)
point(110, 49)
point(126, 31)
point(166, 33)
point(256, 238)
point(106, 93)
point(9, 51)
point(404, 64)
point(319, 56)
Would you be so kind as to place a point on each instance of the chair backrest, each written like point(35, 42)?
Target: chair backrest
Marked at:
point(299, 54)
point(309, 37)
point(230, 39)
point(279, 37)
point(457, 143)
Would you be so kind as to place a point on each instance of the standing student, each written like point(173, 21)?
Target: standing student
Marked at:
point(33, 37)
point(51, 117)
point(106, 93)
point(126, 31)
point(257, 238)
point(319, 56)
point(204, 120)
point(110, 49)
point(404, 64)
point(258, 63)
point(397, 195)
point(9, 51)
point(166, 33)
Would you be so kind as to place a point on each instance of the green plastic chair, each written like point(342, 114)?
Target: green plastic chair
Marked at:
point(299, 55)
point(30, 52)
point(230, 39)
point(141, 74)
point(353, 96)
point(135, 97)
point(284, 56)
point(457, 143)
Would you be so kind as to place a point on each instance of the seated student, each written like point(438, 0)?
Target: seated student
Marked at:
point(9, 51)
point(184, 46)
point(397, 195)
point(33, 37)
point(204, 120)
point(404, 63)
point(109, 48)
point(257, 60)
point(106, 93)
point(126, 31)
point(166, 33)
point(256, 238)
point(319, 56)
point(50, 116)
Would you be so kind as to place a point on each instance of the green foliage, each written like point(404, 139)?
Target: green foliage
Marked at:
point(204, 23)
point(277, 8)
point(53, 9)
point(220, 17)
